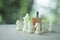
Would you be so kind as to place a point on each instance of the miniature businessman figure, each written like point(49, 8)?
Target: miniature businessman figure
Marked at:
point(18, 23)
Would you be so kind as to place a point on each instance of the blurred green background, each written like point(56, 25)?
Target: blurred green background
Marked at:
point(12, 10)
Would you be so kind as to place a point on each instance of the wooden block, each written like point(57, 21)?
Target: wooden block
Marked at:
point(39, 20)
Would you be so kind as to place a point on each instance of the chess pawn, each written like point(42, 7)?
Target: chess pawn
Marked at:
point(30, 30)
point(18, 24)
point(37, 28)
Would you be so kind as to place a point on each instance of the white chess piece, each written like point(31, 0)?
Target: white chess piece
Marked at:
point(30, 30)
point(37, 28)
point(44, 29)
point(25, 24)
point(26, 19)
point(50, 27)
point(18, 23)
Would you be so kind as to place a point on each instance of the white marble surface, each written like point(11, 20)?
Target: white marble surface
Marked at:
point(9, 32)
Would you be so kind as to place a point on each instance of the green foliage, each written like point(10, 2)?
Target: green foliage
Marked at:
point(0, 18)
point(23, 8)
point(16, 9)
point(1, 4)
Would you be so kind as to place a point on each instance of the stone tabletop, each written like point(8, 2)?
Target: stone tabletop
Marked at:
point(9, 32)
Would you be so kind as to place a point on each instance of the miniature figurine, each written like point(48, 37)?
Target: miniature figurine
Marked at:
point(18, 23)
